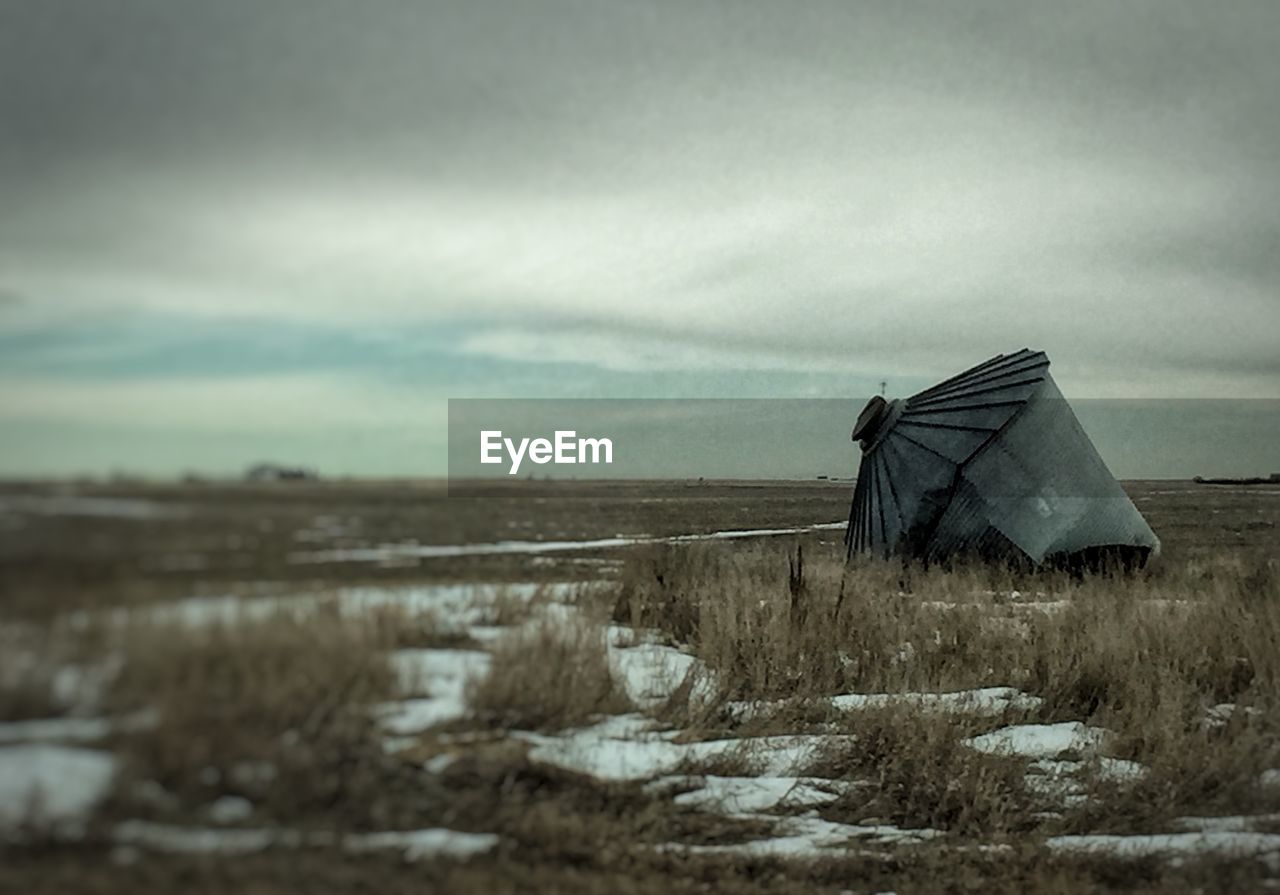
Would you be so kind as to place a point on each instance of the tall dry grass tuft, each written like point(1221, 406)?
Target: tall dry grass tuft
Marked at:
point(1160, 658)
point(654, 589)
point(1186, 673)
point(397, 627)
point(277, 711)
point(549, 675)
point(771, 626)
point(913, 770)
point(1102, 641)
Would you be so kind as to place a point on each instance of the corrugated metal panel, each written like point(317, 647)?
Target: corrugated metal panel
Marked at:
point(992, 461)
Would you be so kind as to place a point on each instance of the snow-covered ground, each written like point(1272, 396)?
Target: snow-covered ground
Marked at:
point(632, 747)
point(49, 780)
point(1234, 844)
point(983, 702)
point(810, 836)
point(651, 672)
point(1041, 740)
point(738, 795)
point(51, 787)
point(441, 674)
point(413, 844)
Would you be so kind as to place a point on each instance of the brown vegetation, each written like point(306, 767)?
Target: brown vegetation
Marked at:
point(550, 675)
point(280, 710)
point(277, 711)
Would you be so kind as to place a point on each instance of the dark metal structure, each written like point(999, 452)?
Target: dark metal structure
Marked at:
point(991, 463)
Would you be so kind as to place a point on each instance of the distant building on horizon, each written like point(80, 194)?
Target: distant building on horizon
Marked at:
point(275, 472)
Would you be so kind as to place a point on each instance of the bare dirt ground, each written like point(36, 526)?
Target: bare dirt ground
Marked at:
point(627, 688)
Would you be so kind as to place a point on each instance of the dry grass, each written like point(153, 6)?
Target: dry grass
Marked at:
point(45, 673)
point(504, 606)
point(548, 675)
point(560, 817)
point(227, 533)
point(922, 871)
point(398, 628)
point(768, 632)
point(918, 773)
point(277, 711)
point(1143, 655)
point(27, 689)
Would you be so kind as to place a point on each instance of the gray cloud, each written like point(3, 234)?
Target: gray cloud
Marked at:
point(874, 188)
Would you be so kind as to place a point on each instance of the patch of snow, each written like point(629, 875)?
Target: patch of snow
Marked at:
point(418, 844)
point(627, 747)
point(1004, 603)
point(412, 716)
point(1173, 845)
point(393, 744)
point(623, 747)
point(438, 763)
point(54, 787)
point(212, 840)
point(649, 673)
point(1042, 740)
point(786, 754)
point(756, 533)
point(1269, 777)
point(229, 809)
point(1110, 770)
point(436, 670)
point(984, 702)
point(624, 635)
point(1219, 716)
point(1067, 780)
point(390, 552)
point(456, 606)
point(1119, 770)
point(201, 840)
point(737, 795)
point(73, 730)
point(810, 836)
point(443, 673)
point(46, 729)
point(1234, 823)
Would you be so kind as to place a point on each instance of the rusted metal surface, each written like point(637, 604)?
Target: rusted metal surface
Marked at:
point(991, 462)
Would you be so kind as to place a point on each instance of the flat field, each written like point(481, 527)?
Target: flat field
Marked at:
point(622, 687)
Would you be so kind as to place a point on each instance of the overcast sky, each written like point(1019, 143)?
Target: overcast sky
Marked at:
point(244, 228)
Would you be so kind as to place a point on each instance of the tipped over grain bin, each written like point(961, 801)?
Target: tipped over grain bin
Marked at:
point(990, 463)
